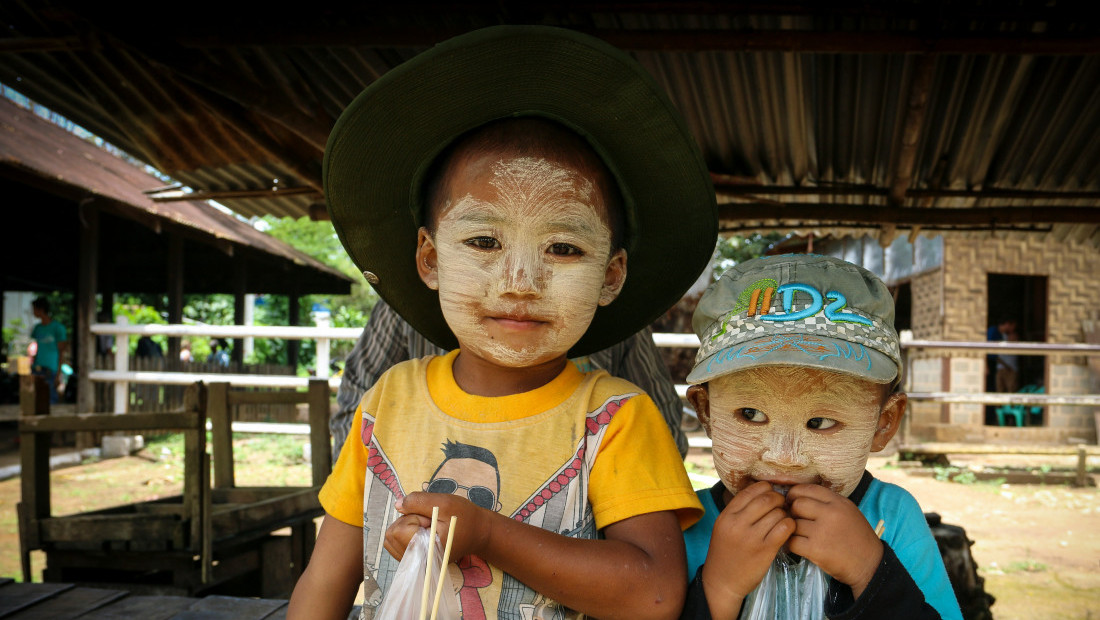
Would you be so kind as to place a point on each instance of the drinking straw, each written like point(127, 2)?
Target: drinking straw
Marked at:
point(428, 568)
point(880, 528)
point(443, 565)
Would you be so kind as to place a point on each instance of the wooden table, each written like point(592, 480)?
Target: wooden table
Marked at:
point(59, 601)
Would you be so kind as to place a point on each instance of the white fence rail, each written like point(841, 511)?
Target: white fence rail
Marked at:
point(324, 335)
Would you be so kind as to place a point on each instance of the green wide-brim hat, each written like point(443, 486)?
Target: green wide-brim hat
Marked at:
point(385, 141)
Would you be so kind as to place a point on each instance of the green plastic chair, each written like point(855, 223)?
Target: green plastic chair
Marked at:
point(1019, 412)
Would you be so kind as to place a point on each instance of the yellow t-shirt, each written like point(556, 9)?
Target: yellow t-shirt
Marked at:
point(573, 456)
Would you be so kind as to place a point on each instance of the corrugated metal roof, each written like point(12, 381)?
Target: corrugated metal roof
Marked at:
point(38, 148)
point(894, 106)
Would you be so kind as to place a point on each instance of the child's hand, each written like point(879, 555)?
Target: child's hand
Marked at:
point(746, 538)
point(832, 533)
point(472, 526)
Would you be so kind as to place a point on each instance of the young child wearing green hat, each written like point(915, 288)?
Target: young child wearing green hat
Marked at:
point(796, 384)
point(494, 190)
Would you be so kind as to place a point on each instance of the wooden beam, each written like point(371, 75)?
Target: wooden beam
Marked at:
point(912, 128)
point(686, 40)
point(236, 194)
point(24, 45)
point(318, 212)
point(739, 189)
point(826, 215)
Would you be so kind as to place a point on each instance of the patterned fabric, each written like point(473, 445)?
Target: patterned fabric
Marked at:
point(576, 455)
point(389, 340)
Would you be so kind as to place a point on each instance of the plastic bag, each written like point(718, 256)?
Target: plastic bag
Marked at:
point(792, 589)
point(404, 596)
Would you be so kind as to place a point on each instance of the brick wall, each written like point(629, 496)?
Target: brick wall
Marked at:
point(1072, 271)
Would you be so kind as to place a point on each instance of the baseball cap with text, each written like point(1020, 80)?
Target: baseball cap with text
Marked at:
point(797, 310)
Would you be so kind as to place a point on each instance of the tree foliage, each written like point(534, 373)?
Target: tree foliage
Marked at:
point(736, 249)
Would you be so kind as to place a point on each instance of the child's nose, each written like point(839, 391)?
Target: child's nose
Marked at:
point(785, 449)
point(522, 273)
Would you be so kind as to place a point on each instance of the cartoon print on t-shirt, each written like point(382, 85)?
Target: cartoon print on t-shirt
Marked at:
point(470, 472)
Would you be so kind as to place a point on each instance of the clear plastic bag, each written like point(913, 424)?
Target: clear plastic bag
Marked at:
point(403, 599)
point(793, 589)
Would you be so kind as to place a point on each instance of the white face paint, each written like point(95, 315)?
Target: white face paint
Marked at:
point(792, 428)
point(522, 257)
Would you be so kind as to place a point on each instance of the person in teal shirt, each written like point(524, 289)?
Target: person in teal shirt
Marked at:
point(51, 342)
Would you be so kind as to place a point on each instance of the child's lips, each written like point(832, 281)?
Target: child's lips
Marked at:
point(517, 322)
point(782, 485)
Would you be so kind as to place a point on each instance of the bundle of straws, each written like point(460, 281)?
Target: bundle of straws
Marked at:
point(442, 566)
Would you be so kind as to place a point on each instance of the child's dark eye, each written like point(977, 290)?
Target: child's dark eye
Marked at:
point(565, 249)
point(483, 243)
point(753, 415)
point(820, 424)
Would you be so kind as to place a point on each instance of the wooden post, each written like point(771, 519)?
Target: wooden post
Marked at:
point(175, 295)
point(1082, 466)
point(319, 441)
point(240, 282)
point(87, 269)
point(221, 432)
point(292, 320)
point(194, 494)
point(34, 449)
point(34, 396)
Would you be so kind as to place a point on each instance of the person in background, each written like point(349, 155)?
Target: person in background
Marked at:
point(52, 345)
point(997, 333)
point(185, 351)
point(218, 353)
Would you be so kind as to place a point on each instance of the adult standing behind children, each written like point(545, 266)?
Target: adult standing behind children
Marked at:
point(51, 343)
point(388, 340)
point(795, 383)
point(512, 171)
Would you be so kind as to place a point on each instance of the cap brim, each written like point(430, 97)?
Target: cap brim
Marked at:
point(798, 350)
point(385, 141)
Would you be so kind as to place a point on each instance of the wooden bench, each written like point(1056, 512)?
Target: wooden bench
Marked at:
point(936, 453)
point(216, 537)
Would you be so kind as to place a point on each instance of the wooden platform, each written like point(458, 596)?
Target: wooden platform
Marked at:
point(60, 601)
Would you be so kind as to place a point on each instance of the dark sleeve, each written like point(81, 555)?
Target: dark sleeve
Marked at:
point(695, 604)
point(891, 594)
point(381, 346)
point(637, 360)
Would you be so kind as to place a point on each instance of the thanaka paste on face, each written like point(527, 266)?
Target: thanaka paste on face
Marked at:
point(783, 449)
point(521, 302)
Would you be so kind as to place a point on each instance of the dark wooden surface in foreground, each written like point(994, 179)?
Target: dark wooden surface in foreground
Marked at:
point(66, 600)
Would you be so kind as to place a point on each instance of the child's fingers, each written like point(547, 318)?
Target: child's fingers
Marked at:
point(780, 527)
point(750, 493)
point(400, 532)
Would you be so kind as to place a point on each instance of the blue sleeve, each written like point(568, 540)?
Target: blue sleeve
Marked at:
point(891, 594)
point(908, 538)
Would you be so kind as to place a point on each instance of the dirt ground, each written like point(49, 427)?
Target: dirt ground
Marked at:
point(1037, 546)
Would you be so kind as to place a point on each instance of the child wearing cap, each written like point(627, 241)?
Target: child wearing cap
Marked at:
point(492, 190)
point(795, 383)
